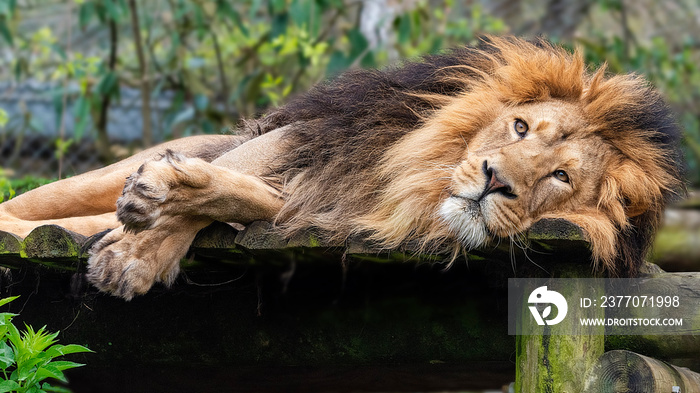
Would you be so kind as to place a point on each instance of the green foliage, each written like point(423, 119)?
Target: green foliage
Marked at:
point(28, 359)
point(3, 118)
point(224, 60)
point(6, 189)
point(9, 187)
point(674, 71)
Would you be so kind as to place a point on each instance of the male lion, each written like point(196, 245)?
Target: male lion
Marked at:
point(460, 148)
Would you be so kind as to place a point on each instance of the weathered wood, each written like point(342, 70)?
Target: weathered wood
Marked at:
point(260, 235)
point(625, 371)
point(675, 346)
point(685, 287)
point(301, 321)
point(54, 246)
point(10, 244)
point(555, 228)
point(219, 236)
point(557, 360)
point(10, 248)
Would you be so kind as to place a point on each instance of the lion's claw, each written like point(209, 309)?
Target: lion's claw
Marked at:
point(139, 206)
point(156, 188)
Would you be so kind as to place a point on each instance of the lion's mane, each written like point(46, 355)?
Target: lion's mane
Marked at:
point(358, 163)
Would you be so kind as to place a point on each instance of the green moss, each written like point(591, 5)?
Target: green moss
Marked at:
point(9, 245)
point(314, 241)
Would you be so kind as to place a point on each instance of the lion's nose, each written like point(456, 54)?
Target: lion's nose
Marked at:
point(494, 184)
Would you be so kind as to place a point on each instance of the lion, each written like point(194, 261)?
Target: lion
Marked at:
point(461, 148)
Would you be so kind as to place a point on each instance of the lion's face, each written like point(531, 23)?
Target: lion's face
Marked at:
point(486, 141)
point(533, 160)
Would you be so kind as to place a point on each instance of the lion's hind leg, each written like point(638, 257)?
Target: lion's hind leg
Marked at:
point(163, 206)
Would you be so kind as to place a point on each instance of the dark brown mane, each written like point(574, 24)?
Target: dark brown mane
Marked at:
point(337, 171)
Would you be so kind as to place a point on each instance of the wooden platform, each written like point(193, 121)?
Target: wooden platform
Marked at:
point(253, 312)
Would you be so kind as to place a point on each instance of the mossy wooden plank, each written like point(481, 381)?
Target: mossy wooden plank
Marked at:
point(311, 240)
point(10, 248)
point(260, 235)
point(10, 244)
point(625, 371)
point(555, 229)
point(219, 235)
point(54, 246)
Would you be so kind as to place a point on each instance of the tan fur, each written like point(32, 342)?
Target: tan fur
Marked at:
point(553, 91)
point(442, 165)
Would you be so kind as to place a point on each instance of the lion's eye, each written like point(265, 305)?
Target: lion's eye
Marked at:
point(521, 128)
point(561, 175)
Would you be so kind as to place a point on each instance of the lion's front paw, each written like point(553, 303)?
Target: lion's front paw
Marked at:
point(126, 264)
point(157, 189)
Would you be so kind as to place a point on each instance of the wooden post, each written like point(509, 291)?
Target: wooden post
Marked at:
point(557, 361)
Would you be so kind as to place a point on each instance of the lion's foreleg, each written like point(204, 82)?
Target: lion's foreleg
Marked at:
point(163, 206)
point(179, 186)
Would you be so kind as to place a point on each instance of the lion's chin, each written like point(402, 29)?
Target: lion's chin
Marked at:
point(465, 220)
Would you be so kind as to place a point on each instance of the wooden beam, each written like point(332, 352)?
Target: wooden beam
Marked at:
point(625, 371)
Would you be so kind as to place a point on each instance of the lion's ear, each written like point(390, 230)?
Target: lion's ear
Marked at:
point(601, 233)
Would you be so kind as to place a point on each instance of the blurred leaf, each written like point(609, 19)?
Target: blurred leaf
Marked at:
point(201, 102)
point(404, 27)
point(108, 84)
point(85, 13)
point(338, 62)
point(358, 43)
point(185, 116)
point(224, 8)
point(81, 113)
point(196, 62)
point(279, 24)
point(278, 6)
point(3, 118)
point(300, 11)
point(114, 9)
point(5, 31)
point(58, 49)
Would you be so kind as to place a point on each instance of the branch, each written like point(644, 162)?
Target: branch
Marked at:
point(101, 125)
point(222, 75)
point(143, 68)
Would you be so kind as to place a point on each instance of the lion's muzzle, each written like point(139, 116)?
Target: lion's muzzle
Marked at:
point(494, 184)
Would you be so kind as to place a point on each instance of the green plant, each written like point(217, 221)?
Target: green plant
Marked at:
point(27, 358)
point(3, 118)
point(6, 189)
point(9, 187)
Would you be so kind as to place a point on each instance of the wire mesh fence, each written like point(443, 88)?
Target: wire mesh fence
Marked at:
point(40, 139)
